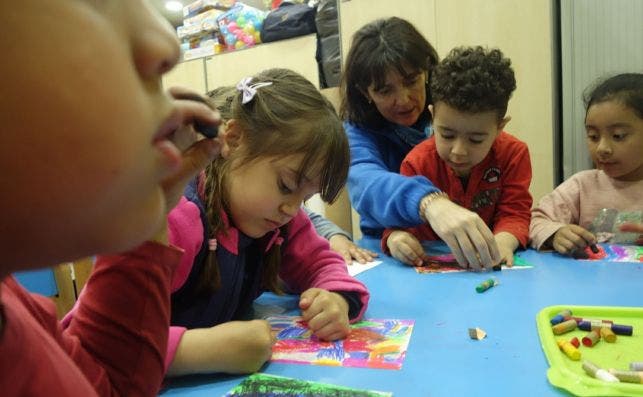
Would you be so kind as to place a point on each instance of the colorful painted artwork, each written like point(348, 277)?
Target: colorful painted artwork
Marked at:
point(372, 343)
point(270, 385)
point(615, 253)
point(439, 259)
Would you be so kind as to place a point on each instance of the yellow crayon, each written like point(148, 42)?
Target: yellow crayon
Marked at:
point(565, 326)
point(569, 349)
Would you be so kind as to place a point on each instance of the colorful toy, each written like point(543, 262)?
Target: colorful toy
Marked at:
point(240, 26)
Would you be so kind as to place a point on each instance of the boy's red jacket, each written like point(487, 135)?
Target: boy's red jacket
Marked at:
point(497, 189)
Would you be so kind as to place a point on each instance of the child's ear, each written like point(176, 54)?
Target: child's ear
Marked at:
point(231, 137)
point(503, 123)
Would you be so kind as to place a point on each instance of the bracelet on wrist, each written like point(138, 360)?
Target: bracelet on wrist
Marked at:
point(427, 200)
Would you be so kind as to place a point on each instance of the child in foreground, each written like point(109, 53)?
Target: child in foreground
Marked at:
point(614, 126)
point(470, 158)
point(88, 168)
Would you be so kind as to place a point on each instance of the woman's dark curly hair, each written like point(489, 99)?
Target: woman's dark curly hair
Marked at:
point(474, 80)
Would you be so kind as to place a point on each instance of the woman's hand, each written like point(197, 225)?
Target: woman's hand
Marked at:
point(349, 250)
point(326, 313)
point(471, 242)
point(405, 248)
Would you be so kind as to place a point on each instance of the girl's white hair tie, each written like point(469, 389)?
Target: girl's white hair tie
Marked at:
point(249, 90)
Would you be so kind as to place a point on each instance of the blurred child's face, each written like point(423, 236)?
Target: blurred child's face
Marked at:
point(463, 139)
point(615, 140)
point(82, 107)
point(264, 194)
point(400, 100)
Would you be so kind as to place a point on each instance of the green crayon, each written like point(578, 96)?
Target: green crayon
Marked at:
point(485, 285)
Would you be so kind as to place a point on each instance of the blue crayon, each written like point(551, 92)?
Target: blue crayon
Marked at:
point(618, 329)
point(561, 316)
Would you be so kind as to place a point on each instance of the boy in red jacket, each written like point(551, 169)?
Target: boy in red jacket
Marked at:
point(469, 157)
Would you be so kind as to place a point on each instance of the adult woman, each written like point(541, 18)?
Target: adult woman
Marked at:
point(385, 96)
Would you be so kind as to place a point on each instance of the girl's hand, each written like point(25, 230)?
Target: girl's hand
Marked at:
point(466, 234)
point(235, 347)
point(405, 248)
point(326, 313)
point(349, 250)
point(633, 228)
point(572, 239)
point(507, 244)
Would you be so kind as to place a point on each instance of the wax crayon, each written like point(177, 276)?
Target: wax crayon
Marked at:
point(207, 130)
point(592, 320)
point(591, 338)
point(608, 335)
point(575, 342)
point(563, 327)
point(597, 372)
point(569, 349)
point(485, 285)
point(618, 329)
point(561, 316)
point(636, 366)
point(628, 376)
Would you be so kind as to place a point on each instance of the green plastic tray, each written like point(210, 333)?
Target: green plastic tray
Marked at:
point(568, 374)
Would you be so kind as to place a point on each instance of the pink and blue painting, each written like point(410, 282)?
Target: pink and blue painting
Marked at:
point(372, 343)
point(615, 253)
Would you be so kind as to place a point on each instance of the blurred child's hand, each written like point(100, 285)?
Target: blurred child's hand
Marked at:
point(326, 313)
point(470, 240)
point(405, 248)
point(571, 239)
point(349, 250)
point(235, 347)
point(197, 153)
point(633, 228)
point(507, 244)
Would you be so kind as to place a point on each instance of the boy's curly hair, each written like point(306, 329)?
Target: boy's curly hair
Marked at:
point(474, 80)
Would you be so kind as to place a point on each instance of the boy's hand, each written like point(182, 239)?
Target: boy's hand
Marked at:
point(466, 234)
point(349, 250)
point(405, 248)
point(326, 313)
point(507, 244)
point(633, 228)
point(571, 239)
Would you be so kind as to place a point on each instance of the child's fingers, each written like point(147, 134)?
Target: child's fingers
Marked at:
point(332, 331)
point(194, 159)
point(406, 254)
point(307, 298)
point(631, 227)
point(509, 260)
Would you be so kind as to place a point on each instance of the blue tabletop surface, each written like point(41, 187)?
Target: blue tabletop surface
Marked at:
point(441, 359)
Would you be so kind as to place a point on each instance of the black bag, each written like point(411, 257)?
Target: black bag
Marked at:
point(289, 20)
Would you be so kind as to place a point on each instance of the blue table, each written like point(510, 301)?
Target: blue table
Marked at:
point(441, 359)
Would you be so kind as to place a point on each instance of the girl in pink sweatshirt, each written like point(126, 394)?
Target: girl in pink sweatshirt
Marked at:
point(614, 125)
